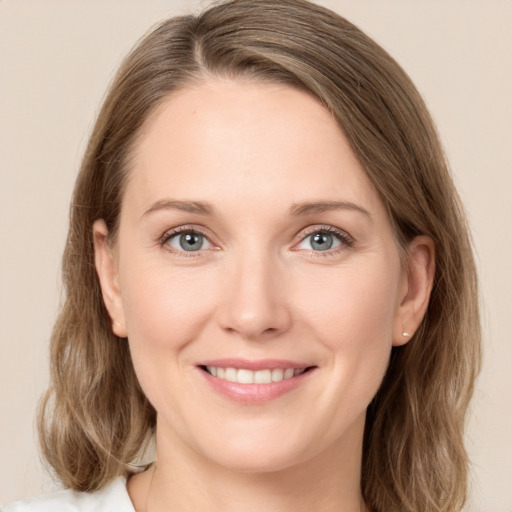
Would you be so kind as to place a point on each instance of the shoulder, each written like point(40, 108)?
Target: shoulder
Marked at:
point(112, 498)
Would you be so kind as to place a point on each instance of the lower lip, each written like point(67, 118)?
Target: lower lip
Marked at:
point(254, 393)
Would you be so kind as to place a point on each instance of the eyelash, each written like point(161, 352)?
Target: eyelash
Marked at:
point(343, 237)
point(175, 231)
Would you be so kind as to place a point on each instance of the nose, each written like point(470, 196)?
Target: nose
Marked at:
point(255, 302)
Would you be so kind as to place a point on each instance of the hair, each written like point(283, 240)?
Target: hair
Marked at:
point(94, 420)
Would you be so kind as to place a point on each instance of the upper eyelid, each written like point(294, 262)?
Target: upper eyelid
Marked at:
point(318, 228)
point(184, 229)
point(201, 230)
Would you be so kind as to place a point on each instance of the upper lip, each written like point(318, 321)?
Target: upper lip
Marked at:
point(254, 365)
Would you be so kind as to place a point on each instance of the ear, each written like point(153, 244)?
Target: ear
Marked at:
point(415, 293)
point(106, 268)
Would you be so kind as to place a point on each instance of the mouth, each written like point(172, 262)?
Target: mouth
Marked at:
point(247, 376)
point(253, 382)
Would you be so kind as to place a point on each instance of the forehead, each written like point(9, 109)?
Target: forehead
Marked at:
point(225, 140)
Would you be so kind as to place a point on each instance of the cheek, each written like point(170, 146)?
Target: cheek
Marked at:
point(165, 308)
point(356, 305)
point(165, 312)
point(353, 315)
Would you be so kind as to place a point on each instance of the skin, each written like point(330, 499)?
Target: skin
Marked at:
point(257, 289)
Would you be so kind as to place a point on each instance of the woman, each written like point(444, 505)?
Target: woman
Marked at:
point(267, 268)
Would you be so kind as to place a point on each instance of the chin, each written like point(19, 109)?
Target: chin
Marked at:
point(264, 450)
point(256, 461)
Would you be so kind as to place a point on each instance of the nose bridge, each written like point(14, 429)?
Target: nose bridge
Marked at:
point(255, 303)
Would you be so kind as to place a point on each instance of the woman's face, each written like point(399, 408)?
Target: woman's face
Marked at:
point(253, 247)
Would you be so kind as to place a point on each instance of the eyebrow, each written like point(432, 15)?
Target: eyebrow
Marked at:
point(308, 208)
point(199, 207)
point(295, 210)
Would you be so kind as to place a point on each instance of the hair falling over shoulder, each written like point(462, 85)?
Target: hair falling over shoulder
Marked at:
point(94, 420)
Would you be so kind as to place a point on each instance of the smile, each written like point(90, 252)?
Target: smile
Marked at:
point(254, 382)
point(245, 376)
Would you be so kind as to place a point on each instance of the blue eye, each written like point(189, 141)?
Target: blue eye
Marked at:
point(189, 241)
point(325, 239)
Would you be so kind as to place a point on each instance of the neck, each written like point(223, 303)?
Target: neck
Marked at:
point(184, 480)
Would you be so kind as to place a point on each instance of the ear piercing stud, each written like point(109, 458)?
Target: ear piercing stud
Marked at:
point(405, 334)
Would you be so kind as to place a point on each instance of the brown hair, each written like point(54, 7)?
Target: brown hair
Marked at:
point(94, 419)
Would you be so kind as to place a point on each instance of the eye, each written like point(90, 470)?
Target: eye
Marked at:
point(187, 240)
point(321, 241)
point(325, 239)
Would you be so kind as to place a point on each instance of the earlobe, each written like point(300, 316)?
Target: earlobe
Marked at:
point(419, 280)
point(106, 269)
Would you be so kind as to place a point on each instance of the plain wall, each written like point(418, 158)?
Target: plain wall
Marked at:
point(56, 59)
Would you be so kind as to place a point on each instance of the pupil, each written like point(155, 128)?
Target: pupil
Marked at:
point(190, 242)
point(322, 241)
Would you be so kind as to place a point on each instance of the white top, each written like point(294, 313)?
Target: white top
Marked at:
point(112, 498)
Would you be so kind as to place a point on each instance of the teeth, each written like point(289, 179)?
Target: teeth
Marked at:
point(243, 376)
point(288, 373)
point(277, 374)
point(231, 375)
point(262, 376)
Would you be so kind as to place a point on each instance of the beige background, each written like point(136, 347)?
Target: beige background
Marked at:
point(56, 58)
